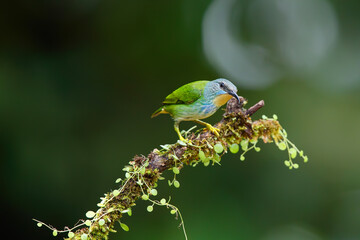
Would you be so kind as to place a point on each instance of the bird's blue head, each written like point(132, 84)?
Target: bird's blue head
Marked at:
point(220, 88)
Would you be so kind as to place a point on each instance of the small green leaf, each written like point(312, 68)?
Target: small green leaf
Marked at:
point(142, 171)
point(84, 236)
point(242, 158)
point(234, 148)
point(150, 208)
point(206, 163)
point(101, 222)
point(282, 146)
point(217, 158)
point(163, 201)
point(90, 214)
point(306, 159)
point(88, 223)
point(118, 180)
point(129, 212)
point(173, 211)
point(127, 175)
point(218, 148)
point(116, 192)
point(176, 184)
point(169, 182)
point(124, 227)
point(244, 144)
point(145, 197)
point(39, 224)
point(253, 141)
point(153, 192)
point(275, 117)
point(176, 170)
point(71, 234)
point(257, 149)
point(287, 163)
point(292, 152)
point(296, 166)
point(202, 156)
point(55, 233)
point(127, 169)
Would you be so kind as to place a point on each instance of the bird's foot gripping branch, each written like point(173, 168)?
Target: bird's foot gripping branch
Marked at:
point(236, 130)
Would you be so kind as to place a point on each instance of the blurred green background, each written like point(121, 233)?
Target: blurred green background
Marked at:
point(79, 80)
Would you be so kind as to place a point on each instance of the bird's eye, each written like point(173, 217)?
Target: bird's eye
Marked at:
point(221, 85)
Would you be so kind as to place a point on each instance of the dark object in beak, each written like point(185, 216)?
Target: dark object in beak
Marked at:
point(234, 95)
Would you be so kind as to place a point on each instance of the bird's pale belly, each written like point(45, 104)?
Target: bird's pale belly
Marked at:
point(192, 112)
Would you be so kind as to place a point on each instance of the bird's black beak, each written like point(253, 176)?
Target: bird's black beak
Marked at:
point(232, 93)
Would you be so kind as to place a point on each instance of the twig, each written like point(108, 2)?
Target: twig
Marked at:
point(254, 108)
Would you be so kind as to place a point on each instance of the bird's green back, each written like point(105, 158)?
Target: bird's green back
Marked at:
point(186, 94)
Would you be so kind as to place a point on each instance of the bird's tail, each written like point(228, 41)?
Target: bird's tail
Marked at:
point(160, 110)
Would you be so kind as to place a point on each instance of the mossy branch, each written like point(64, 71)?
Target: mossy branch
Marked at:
point(142, 174)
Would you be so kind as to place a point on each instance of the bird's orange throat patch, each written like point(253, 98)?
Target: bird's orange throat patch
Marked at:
point(222, 99)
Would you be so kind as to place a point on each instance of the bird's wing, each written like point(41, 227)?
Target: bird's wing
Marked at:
point(186, 94)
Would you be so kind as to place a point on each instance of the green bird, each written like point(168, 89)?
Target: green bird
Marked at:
point(197, 100)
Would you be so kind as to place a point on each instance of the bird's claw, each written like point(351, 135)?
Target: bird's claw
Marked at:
point(214, 130)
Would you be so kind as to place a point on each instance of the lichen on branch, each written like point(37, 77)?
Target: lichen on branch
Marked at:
point(236, 130)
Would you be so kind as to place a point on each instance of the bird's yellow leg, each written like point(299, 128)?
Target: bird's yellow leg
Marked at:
point(176, 127)
point(209, 126)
